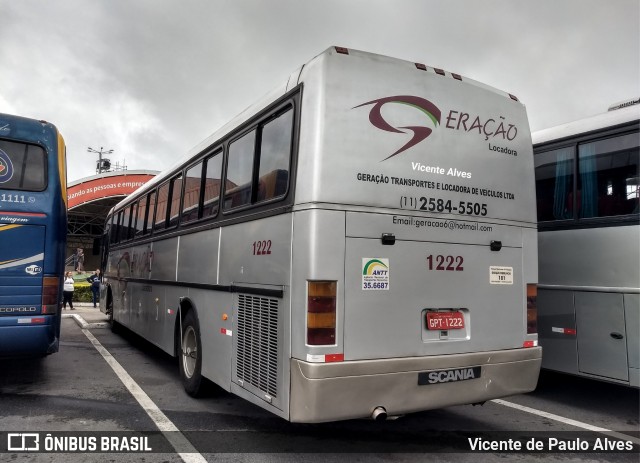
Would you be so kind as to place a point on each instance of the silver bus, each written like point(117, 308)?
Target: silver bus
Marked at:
point(360, 243)
point(589, 243)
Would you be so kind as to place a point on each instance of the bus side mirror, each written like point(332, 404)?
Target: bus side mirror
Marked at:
point(97, 242)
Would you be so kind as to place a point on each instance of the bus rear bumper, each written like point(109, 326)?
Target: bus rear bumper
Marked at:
point(353, 389)
point(27, 340)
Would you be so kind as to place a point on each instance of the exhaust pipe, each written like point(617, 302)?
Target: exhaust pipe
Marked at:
point(379, 414)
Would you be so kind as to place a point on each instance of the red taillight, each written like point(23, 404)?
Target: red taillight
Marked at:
point(50, 299)
point(342, 50)
point(532, 309)
point(321, 313)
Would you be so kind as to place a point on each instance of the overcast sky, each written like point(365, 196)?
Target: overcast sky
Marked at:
point(152, 78)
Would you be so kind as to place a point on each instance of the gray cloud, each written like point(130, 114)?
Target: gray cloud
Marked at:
point(151, 78)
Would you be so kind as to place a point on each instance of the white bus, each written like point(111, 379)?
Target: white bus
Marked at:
point(589, 242)
point(360, 243)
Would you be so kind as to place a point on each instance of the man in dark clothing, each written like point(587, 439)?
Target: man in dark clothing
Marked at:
point(95, 286)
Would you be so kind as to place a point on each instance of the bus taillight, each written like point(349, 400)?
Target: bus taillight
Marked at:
point(50, 299)
point(321, 313)
point(532, 308)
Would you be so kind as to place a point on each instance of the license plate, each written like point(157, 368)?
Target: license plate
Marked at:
point(445, 321)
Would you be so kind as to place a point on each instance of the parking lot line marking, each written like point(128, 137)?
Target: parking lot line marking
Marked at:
point(164, 424)
point(569, 421)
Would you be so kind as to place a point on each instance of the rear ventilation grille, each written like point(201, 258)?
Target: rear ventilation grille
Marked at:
point(257, 338)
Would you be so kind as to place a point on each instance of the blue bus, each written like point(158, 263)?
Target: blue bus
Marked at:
point(33, 230)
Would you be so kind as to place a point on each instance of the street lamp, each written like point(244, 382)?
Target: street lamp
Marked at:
point(100, 152)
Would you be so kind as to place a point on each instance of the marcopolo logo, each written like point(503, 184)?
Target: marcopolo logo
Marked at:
point(419, 132)
point(6, 167)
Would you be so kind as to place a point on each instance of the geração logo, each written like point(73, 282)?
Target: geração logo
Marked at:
point(419, 132)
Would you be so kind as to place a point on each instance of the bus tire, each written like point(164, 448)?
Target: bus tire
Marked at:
point(190, 355)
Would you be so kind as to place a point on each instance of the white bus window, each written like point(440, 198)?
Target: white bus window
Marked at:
point(608, 173)
point(554, 184)
point(192, 188)
point(212, 184)
point(239, 171)
point(275, 153)
point(176, 192)
point(162, 204)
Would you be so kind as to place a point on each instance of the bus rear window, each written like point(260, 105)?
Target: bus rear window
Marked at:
point(22, 167)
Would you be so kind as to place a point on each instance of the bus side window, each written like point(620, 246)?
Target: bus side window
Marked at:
point(239, 171)
point(124, 225)
point(275, 155)
point(174, 205)
point(554, 184)
point(192, 189)
point(132, 227)
point(113, 231)
point(608, 176)
point(162, 206)
point(118, 227)
point(148, 226)
point(212, 185)
point(142, 215)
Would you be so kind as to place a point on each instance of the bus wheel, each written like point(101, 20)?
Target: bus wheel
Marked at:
point(190, 355)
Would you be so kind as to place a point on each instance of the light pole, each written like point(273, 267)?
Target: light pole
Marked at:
point(100, 152)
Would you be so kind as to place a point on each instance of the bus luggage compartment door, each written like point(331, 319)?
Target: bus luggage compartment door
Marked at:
point(390, 289)
point(602, 345)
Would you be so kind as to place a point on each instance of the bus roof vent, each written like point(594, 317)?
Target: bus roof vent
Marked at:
point(342, 50)
point(624, 104)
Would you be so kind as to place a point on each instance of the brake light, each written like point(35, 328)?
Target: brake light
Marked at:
point(50, 298)
point(532, 308)
point(321, 313)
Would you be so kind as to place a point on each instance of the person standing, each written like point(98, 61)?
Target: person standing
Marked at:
point(67, 291)
point(80, 264)
point(95, 286)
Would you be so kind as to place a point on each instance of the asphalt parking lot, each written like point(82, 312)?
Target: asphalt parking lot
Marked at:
point(107, 384)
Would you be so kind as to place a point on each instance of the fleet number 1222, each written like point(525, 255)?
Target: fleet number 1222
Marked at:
point(448, 263)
